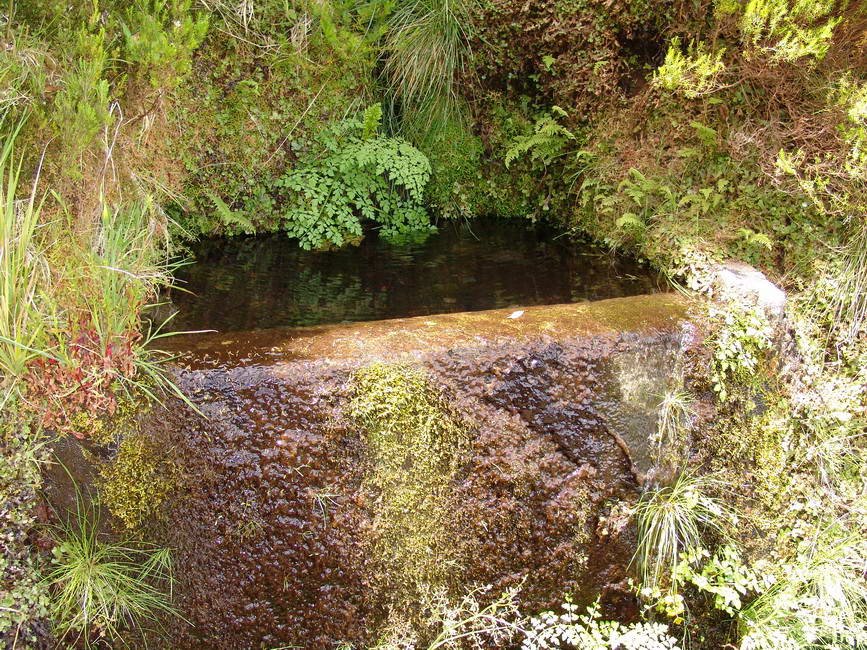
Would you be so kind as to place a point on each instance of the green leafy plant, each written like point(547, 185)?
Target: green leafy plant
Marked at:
point(82, 107)
point(547, 142)
point(724, 576)
point(160, 37)
point(742, 338)
point(789, 30)
point(588, 631)
point(693, 74)
point(375, 178)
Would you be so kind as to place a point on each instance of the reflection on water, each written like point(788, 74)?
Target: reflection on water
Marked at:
point(261, 282)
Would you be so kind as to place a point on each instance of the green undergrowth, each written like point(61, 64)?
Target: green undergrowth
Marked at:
point(24, 599)
point(416, 444)
point(104, 589)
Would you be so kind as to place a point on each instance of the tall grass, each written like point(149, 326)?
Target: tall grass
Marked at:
point(848, 306)
point(671, 520)
point(673, 418)
point(127, 264)
point(22, 272)
point(100, 588)
point(426, 51)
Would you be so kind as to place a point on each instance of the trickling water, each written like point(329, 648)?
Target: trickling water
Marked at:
point(261, 282)
point(274, 523)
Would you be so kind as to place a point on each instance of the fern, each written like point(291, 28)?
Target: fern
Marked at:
point(546, 143)
point(364, 176)
point(228, 216)
point(789, 30)
point(693, 74)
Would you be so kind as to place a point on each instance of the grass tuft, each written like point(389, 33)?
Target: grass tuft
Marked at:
point(22, 268)
point(427, 49)
point(101, 588)
point(671, 520)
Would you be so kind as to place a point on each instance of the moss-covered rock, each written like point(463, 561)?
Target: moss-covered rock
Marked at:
point(135, 483)
point(416, 444)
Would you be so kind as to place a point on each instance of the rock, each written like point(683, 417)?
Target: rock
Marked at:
point(735, 280)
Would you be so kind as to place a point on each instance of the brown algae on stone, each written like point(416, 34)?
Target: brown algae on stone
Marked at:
point(482, 457)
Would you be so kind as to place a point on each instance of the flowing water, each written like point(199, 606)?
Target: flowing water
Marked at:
point(278, 509)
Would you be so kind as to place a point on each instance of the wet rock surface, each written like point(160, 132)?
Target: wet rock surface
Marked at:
point(272, 528)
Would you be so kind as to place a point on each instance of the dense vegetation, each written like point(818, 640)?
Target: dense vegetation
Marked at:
point(683, 132)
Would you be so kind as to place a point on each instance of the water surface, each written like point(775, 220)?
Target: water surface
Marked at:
point(261, 282)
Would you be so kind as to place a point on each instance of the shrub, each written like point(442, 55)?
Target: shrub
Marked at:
point(160, 37)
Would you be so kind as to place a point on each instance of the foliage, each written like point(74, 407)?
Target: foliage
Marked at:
point(23, 598)
point(100, 588)
point(361, 176)
point(426, 50)
point(724, 576)
point(23, 273)
point(789, 30)
point(575, 54)
point(469, 621)
point(588, 632)
point(693, 74)
point(741, 341)
point(676, 411)
point(161, 35)
point(671, 520)
point(820, 601)
point(126, 264)
point(456, 170)
point(547, 142)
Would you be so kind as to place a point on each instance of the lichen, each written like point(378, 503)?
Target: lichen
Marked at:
point(416, 444)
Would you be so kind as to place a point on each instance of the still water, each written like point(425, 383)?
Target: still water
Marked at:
point(261, 282)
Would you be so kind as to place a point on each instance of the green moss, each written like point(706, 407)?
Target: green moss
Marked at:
point(136, 482)
point(416, 444)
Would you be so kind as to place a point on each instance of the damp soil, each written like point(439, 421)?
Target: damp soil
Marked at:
point(262, 282)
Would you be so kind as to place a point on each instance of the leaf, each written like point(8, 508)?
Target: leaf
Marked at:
point(229, 216)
